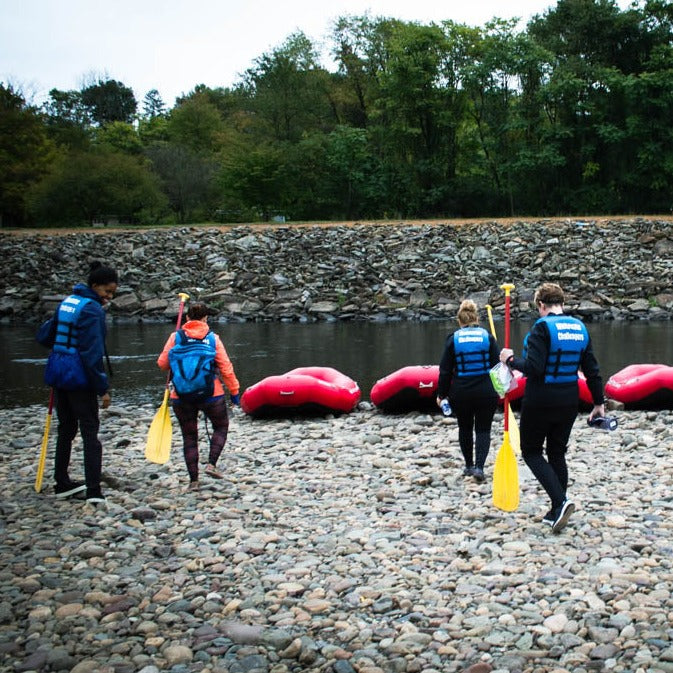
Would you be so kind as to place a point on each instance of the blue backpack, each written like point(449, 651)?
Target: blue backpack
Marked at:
point(192, 363)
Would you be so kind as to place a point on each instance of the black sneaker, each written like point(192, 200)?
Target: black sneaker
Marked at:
point(563, 513)
point(468, 472)
point(74, 489)
point(549, 518)
point(478, 474)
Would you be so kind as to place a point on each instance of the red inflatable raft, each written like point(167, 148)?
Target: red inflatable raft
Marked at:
point(644, 386)
point(412, 388)
point(305, 390)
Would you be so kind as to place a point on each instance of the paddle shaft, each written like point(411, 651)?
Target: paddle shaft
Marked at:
point(507, 287)
point(489, 310)
point(45, 441)
point(183, 298)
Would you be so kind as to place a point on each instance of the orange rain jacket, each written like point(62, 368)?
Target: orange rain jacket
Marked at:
point(197, 329)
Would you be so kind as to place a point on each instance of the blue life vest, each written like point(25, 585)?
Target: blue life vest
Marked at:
point(192, 363)
point(472, 347)
point(64, 366)
point(568, 339)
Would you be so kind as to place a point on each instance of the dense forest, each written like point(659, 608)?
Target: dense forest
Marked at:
point(572, 115)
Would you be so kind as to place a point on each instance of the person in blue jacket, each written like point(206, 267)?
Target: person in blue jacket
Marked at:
point(556, 347)
point(469, 353)
point(75, 369)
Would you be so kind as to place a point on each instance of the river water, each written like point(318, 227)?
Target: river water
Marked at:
point(365, 351)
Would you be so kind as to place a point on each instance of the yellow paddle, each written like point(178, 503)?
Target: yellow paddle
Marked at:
point(160, 434)
point(506, 471)
point(45, 441)
point(514, 437)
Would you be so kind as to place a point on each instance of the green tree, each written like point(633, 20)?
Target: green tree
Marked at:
point(119, 137)
point(186, 179)
point(153, 105)
point(354, 173)
point(600, 57)
point(67, 119)
point(195, 123)
point(24, 154)
point(109, 101)
point(287, 91)
point(254, 181)
point(85, 187)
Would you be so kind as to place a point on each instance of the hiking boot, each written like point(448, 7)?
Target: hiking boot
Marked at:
point(213, 471)
point(74, 489)
point(563, 513)
point(478, 475)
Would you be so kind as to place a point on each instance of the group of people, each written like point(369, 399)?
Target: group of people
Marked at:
point(76, 372)
point(555, 349)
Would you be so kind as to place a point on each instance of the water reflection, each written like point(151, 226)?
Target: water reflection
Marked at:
point(363, 351)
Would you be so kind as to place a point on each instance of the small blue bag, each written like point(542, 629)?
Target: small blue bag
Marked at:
point(65, 371)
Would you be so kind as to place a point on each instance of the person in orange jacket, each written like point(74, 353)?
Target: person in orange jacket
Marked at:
point(214, 406)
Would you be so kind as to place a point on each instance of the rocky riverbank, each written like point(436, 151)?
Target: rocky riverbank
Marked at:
point(337, 545)
point(618, 269)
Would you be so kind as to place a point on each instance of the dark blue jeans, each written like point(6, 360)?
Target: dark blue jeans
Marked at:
point(78, 409)
point(552, 425)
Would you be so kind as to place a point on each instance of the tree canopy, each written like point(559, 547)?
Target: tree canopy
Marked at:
point(569, 115)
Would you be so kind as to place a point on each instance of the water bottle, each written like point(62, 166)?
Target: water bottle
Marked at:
point(445, 407)
point(607, 423)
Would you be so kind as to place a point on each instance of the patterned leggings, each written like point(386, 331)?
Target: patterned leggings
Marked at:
point(187, 415)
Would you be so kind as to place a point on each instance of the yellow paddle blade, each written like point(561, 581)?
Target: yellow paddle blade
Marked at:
point(158, 448)
point(43, 455)
point(514, 438)
point(506, 478)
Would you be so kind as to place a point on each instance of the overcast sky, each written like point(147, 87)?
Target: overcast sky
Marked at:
point(173, 45)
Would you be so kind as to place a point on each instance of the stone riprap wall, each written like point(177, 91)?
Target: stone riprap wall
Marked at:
point(610, 269)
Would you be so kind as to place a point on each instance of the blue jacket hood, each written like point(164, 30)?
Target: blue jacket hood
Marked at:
point(83, 290)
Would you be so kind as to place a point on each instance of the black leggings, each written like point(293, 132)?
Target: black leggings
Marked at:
point(474, 427)
point(187, 415)
point(78, 409)
point(553, 424)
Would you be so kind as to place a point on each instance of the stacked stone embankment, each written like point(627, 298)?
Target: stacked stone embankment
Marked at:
point(618, 269)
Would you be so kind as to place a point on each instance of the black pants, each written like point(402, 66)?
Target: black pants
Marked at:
point(78, 409)
point(474, 417)
point(187, 415)
point(553, 425)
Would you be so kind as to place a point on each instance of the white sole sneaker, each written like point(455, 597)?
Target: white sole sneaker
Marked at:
point(566, 512)
point(71, 491)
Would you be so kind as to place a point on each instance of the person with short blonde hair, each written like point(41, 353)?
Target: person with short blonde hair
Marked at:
point(469, 353)
point(555, 349)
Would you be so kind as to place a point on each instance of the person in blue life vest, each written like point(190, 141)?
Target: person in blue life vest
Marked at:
point(556, 347)
point(185, 368)
point(469, 353)
point(75, 370)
